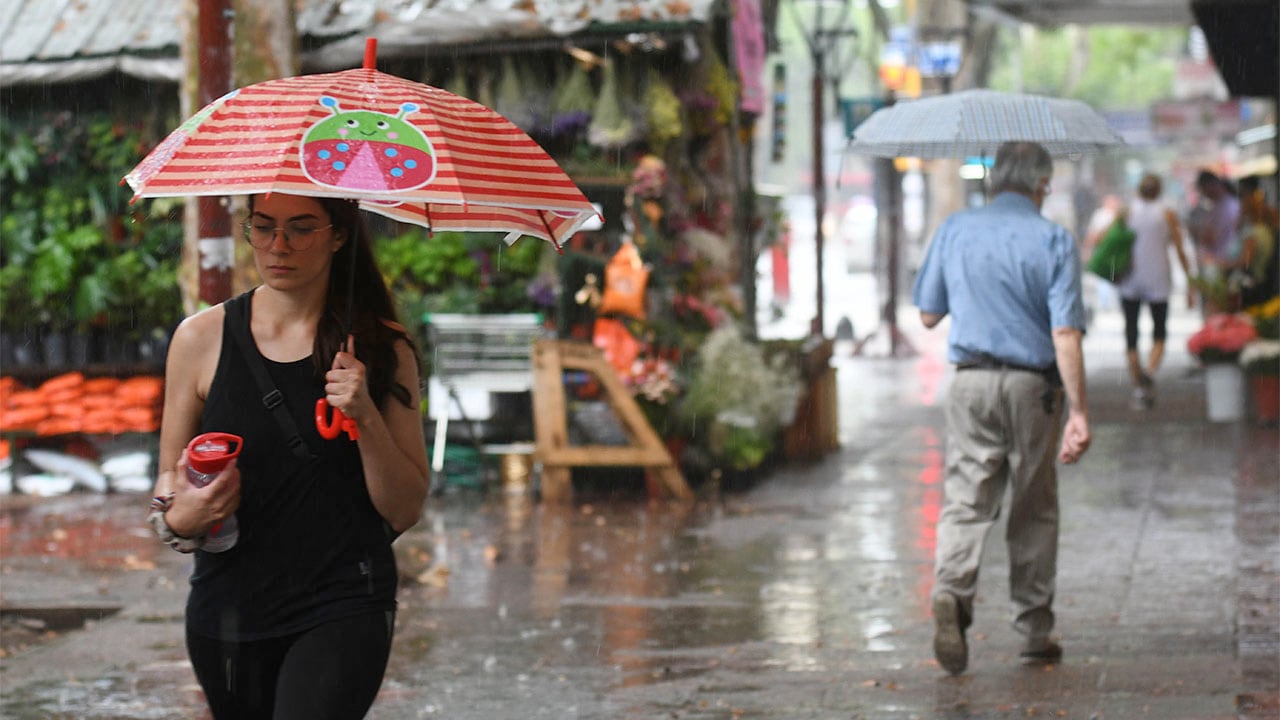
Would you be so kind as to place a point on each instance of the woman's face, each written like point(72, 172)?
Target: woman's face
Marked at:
point(293, 240)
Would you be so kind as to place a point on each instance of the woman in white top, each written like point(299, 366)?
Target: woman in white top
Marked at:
point(1149, 281)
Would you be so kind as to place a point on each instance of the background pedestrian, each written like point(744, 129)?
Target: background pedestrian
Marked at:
point(1150, 281)
point(1215, 222)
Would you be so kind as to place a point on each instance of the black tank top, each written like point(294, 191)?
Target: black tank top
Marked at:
point(312, 547)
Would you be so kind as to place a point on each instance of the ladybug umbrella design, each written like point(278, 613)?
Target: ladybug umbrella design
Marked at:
point(406, 150)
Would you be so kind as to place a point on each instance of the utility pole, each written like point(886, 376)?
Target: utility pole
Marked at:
point(824, 34)
point(819, 184)
point(215, 244)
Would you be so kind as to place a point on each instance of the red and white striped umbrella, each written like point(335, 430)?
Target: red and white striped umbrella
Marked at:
point(406, 150)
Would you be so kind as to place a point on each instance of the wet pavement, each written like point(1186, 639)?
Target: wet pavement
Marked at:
point(801, 595)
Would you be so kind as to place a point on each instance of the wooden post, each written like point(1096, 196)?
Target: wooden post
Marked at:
point(215, 245)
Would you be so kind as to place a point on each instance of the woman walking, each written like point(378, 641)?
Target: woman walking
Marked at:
point(1149, 282)
point(295, 620)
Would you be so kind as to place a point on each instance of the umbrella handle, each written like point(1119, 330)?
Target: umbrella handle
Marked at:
point(331, 429)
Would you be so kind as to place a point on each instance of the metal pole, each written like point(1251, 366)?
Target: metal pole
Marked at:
point(895, 239)
point(819, 178)
point(215, 244)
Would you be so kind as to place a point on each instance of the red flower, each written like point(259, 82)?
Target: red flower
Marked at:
point(1222, 334)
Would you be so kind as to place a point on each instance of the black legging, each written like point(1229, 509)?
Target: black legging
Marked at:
point(1159, 314)
point(331, 671)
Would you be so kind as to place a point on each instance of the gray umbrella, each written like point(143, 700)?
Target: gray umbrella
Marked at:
point(974, 123)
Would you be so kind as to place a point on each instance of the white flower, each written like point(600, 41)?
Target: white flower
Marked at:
point(1259, 351)
point(734, 380)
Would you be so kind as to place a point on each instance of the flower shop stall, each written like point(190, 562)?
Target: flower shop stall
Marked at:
point(649, 118)
point(648, 106)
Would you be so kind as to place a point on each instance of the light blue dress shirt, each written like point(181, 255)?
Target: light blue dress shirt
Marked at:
point(1008, 277)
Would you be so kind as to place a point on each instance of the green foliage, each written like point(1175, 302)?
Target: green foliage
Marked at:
point(453, 272)
point(1123, 67)
point(459, 272)
point(73, 252)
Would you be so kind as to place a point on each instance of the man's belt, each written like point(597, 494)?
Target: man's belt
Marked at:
point(987, 362)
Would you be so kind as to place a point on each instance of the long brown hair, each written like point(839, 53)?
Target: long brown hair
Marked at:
point(374, 321)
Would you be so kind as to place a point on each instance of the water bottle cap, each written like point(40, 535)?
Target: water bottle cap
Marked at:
point(210, 452)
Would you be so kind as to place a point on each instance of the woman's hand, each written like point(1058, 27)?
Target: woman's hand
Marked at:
point(345, 386)
point(196, 509)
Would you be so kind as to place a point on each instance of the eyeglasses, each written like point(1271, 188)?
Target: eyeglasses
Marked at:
point(297, 236)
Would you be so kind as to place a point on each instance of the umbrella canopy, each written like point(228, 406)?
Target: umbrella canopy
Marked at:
point(973, 123)
point(406, 150)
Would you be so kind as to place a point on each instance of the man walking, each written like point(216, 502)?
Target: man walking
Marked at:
point(1010, 280)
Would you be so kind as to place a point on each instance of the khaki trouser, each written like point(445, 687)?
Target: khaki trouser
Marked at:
point(1002, 431)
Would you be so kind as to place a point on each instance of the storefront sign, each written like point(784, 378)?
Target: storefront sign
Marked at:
point(1195, 118)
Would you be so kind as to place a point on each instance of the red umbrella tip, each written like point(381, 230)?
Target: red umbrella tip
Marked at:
point(371, 54)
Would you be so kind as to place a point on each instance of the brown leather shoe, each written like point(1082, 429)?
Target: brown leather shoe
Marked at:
point(1047, 655)
point(949, 645)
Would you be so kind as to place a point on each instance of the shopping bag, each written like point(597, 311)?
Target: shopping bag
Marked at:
point(1113, 257)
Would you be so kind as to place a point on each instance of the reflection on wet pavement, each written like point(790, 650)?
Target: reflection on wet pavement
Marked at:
point(803, 596)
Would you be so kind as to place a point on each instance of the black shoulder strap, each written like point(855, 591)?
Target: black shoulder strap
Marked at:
point(238, 321)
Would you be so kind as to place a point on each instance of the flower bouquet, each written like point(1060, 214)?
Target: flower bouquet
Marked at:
point(1266, 318)
point(1261, 357)
point(1222, 338)
point(738, 399)
point(654, 383)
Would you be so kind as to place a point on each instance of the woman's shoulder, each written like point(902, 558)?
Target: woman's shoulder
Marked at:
point(200, 327)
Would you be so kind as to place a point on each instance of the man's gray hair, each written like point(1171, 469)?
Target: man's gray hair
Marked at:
point(1020, 166)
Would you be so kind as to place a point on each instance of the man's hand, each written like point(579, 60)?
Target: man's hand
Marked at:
point(1075, 438)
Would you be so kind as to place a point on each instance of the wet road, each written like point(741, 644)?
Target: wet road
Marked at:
point(803, 595)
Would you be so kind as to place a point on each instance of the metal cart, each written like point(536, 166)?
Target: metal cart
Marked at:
point(473, 357)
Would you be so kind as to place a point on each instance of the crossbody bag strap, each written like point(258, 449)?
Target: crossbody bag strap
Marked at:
point(272, 398)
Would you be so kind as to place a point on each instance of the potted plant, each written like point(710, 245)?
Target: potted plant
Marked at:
point(59, 271)
point(17, 330)
point(1260, 360)
point(1218, 346)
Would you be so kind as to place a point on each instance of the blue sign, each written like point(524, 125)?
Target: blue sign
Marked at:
point(939, 59)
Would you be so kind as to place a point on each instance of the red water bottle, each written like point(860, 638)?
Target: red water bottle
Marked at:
point(208, 455)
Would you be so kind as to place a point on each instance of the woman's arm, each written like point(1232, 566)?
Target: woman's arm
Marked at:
point(188, 371)
point(393, 451)
point(1175, 239)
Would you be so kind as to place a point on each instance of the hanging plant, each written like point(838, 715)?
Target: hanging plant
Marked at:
point(571, 110)
point(665, 123)
point(510, 100)
point(610, 127)
point(721, 87)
